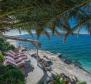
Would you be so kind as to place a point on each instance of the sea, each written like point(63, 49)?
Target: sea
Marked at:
point(76, 48)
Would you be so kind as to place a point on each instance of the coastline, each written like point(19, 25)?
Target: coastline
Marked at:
point(76, 64)
point(59, 66)
point(12, 42)
point(75, 49)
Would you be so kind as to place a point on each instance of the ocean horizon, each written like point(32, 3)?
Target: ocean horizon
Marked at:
point(76, 48)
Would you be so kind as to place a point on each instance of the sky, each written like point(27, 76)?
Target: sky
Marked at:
point(72, 21)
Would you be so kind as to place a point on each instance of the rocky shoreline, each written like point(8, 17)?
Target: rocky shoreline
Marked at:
point(68, 61)
point(60, 66)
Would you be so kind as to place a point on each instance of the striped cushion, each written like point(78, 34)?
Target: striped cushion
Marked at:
point(9, 61)
point(15, 59)
point(11, 53)
point(20, 63)
point(19, 60)
point(10, 58)
point(21, 55)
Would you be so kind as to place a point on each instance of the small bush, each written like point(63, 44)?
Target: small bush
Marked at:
point(1, 57)
point(5, 46)
point(58, 80)
point(11, 75)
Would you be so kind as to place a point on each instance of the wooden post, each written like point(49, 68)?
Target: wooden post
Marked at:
point(37, 54)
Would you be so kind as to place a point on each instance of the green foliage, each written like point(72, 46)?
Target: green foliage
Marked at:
point(42, 14)
point(2, 70)
point(11, 75)
point(58, 80)
point(5, 46)
point(1, 57)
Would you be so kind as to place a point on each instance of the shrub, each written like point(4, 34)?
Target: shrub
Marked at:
point(58, 80)
point(11, 75)
point(5, 46)
point(1, 57)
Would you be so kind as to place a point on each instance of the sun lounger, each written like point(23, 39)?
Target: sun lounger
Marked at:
point(11, 54)
point(16, 59)
point(9, 61)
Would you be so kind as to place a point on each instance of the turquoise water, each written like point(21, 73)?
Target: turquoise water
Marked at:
point(75, 48)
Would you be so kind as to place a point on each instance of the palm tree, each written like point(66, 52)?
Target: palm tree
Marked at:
point(11, 75)
point(39, 14)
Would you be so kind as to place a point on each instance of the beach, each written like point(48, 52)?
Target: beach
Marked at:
point(59, 66)
point(76, 49)
point(45, 41)
point(12, 42)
